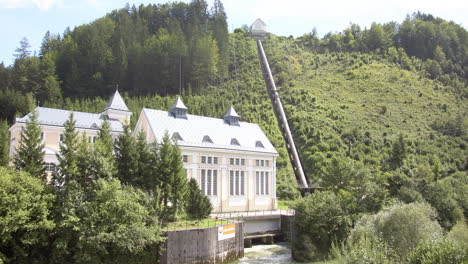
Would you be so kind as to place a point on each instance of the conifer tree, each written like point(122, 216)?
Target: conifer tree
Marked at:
point(178, 179)
point(164, 169)
point(198, 205)
point(147, 164)
point(102, 159)
point(30, 153)
point(126, 157)
point(67, 156)
point(4, 143)
point(83, 161)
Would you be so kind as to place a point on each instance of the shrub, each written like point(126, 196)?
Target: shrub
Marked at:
point(25, 222)
point(438, 252)
point(319, 220)
point(400, 227)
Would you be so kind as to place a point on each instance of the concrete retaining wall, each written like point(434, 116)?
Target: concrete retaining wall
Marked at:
point(196, 246)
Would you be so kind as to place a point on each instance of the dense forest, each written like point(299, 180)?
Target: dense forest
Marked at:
point(379, 114)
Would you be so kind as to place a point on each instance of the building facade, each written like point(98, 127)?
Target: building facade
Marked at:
point(233, 162)
point(52, 123)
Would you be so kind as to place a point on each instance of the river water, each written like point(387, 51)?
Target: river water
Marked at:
point(262, 254)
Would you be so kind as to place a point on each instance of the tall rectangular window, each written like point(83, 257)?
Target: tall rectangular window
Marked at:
point(267, 163)
point(231, 161)
point(257, 163)
point(215, 182)
point(262, 182)
point(185, 158)
point(203, 181)
point(208, 185)
point(210, 159)
point(242, 162)
point(231, 182)
point(237, 182)
point(215, 160)
point(242, 183)
point(257, 182)
point(237, 162)
point(266, 183)
point(203, 159)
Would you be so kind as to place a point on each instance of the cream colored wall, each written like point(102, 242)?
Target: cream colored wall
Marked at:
point(224, 202)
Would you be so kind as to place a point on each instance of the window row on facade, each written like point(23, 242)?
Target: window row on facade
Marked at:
point(232, 161)
point(209, 182)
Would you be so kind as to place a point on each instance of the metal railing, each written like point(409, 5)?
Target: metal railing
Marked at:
point(240, 215)
point(206, 223)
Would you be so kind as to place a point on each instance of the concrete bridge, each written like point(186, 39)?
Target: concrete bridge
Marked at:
point(262, 224)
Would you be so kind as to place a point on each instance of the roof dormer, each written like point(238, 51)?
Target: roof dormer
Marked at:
point(178, 109)
point(231, 117)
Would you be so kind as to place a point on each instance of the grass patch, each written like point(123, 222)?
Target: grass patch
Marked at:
point(207, 222)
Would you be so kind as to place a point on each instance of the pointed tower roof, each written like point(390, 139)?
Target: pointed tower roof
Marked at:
point(178, 104)
point(116, 103)
point(231, 117)
point(231, 112)
point(178, 109)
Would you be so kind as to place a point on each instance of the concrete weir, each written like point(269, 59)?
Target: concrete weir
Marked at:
point(217, 244)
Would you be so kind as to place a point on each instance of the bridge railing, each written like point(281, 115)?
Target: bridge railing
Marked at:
point(185, 225)
point(237, 215)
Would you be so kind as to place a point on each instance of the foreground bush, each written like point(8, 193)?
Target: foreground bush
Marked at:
point(109, 224)
point(25, 217)
point(438, 252)
point(318, 222)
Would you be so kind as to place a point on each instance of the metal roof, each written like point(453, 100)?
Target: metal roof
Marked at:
point(58, 117)
point(231, 112)
point(194, 128)
point(117, 103)
point(179, 104)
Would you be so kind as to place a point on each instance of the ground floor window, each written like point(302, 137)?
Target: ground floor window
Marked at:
point(262, 183)
point(209, 182)
point(236, 182)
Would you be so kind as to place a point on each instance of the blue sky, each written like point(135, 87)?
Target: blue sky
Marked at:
point(32, 18)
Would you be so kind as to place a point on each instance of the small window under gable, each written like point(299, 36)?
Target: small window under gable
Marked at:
point(177, 136)
point(259, 144)
point(207, 139)
point(94, 126)
point(235, 142)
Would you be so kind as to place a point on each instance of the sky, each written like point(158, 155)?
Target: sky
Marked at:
point(32, 18)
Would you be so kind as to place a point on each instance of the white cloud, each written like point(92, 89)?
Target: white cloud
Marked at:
point(41, 4)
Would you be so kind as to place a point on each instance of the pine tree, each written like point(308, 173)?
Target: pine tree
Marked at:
point(147, 172)
point(164, 169)
point(4, 143)
point(29, 156)
point(179, 179)
point(399, 152)
point(126, 157)
point(83, 161)
point(199, 205)
point(102, 159)
point(67, 156)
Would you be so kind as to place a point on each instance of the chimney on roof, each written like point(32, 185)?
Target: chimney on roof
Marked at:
point(231, 117)
point(178, 109)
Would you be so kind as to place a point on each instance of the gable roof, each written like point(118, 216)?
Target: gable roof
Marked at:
point(194, 128)
point(258, 25)
point(117, 103)
point(58, 117)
